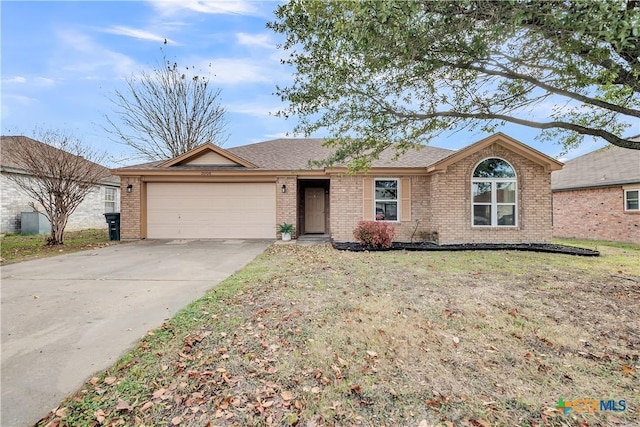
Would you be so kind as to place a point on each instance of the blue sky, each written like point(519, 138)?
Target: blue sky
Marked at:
point(62, 60)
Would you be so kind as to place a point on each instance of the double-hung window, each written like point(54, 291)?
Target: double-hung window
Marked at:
point(110, 200)
point(494, 194)
point(386, 199)
point(632, 200)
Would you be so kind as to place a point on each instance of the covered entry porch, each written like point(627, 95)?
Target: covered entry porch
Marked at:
point(313, 207)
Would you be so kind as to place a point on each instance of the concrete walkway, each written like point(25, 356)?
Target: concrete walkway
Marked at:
point(67, 317)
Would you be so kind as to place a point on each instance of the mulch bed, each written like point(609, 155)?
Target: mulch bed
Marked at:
point(426, 246)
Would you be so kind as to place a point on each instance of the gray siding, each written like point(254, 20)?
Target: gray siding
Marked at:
point(90, 213)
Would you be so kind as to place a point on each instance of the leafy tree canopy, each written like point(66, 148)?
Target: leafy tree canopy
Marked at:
point(375, 73)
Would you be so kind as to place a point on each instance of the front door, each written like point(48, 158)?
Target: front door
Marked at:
point(314, 210)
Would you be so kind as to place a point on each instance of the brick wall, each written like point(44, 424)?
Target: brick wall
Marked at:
point(13, 201)
point(451, 209)
point(347, 207)
point(130, 203)
point(286, 208)
point(594, 213)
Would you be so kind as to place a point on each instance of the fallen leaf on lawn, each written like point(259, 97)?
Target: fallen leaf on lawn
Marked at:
point(94, 380)
point(479, 423)
point(355, 388)
point(176, 420)
point(123, 406)
point(372, 353)
point(267, 403)
point(456, 340)
point(146, 406)
point(628, 370)
point(159, 393)
point(423, 423)
point(513, 312)
point(315, 390)
point(100, 415)
point(110, 380)
point(286, 395)
point(393, 392)
point(62, 412)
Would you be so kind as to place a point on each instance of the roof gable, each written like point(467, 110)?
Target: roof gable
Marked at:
point(549, 163)
point(207, 154)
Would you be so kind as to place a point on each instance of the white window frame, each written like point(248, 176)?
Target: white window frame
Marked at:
point(397, 180)
point(626, 198)
point(494, 196)
point(114, 201)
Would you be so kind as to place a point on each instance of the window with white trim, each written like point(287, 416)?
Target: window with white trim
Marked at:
point(386, 192)
point(110, 200)
point(632, 200)
point(494, 194)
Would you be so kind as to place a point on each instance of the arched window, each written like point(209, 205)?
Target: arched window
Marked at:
point(494, 194)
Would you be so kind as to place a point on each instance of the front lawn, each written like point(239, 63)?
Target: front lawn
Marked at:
point(312, 336)
point(16, 247)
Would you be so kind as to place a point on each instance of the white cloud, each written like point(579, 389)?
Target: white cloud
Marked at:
point(91, 59)
point(216, 7)
point(233, 71)
point(137, 34)
point(17, 79)
point(40, 81)
point(45, 81)
point(260, 40)
point(253, 109)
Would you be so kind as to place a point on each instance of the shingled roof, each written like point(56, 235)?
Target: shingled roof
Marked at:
point(9, 163)
point(295, 154)
point(611, 165)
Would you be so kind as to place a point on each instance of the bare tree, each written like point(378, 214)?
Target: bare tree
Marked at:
point(167, 112)
point(56, 173)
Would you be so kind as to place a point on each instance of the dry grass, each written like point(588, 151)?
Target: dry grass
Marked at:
point(16, 247)
point(313, 336)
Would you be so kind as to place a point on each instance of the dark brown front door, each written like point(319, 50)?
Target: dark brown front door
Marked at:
point(314, 210)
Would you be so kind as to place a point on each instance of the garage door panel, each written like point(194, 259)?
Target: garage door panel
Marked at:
point(211, 210)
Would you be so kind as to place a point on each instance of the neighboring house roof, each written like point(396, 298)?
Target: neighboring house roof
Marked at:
point(607, 166)
point(9, 164)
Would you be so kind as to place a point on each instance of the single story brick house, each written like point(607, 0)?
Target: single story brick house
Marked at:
point(496, 190)
point(89, 214)
point(596, 196)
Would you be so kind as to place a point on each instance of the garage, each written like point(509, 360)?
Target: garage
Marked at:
point(211, 210)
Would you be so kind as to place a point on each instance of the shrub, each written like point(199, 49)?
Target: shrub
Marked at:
point(374, 234)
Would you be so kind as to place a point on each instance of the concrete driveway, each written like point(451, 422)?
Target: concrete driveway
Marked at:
point(67, 317)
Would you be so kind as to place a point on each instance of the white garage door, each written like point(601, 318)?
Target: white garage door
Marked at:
point(211, 210)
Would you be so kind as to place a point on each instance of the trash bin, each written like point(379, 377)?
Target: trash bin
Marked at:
point(113, 221)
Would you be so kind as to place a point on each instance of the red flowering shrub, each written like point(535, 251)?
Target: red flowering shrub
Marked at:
point(374, 234)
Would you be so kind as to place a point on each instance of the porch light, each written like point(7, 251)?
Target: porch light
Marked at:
point(284, 188)
point(129, 188)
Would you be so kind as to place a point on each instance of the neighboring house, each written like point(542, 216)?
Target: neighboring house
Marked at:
point(596, 196)
point(496, 190)
point(13, 200)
